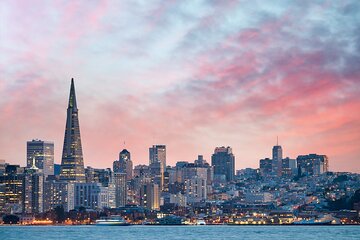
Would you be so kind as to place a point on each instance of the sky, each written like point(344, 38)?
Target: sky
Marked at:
point(193, 75)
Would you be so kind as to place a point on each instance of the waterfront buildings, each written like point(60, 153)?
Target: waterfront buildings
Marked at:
point(72, 163)
point(300, 187)
point(223, 161)
point(43, 152)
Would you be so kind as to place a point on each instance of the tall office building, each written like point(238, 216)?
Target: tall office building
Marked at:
point(223, 161)
point(277, 160)
point(33, 190)
point(43, 152)
point(157, 159)
point(124, 164)
point(120, 184)
point(72, 163)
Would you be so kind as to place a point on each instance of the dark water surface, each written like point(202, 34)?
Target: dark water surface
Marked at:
point(179, 232)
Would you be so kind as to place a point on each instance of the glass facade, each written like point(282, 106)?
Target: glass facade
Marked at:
point(72, 163)
point(43, 152)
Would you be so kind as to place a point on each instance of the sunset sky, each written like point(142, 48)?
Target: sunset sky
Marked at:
point(193, 75)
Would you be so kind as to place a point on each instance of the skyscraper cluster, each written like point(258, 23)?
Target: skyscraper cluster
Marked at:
point(37, 188)
point(303, 165)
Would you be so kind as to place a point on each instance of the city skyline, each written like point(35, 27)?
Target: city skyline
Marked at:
point(191, 76)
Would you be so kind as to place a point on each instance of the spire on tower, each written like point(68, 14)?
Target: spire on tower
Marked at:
point(72, 97)
point(33, 164)
point(72, 162)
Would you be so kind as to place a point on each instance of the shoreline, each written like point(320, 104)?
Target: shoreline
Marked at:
point(177, 225)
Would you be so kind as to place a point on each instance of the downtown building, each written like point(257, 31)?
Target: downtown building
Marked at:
point(58, 193)
point(312, 164)
point(11, 189)
point(157, 164)
point(289, 167)
point(96, 175)
point(223, 161)
point(200, 168)
point(72, 163)
point(124, 164)
point(120, 185)
point(33, 190)
point(43, 152)
point(94, 196)
point(265, 167)
point(142, 175)
point(150, 196)
point(196, 189)
point(277, 156)
point(178, 199)
point(142, 171)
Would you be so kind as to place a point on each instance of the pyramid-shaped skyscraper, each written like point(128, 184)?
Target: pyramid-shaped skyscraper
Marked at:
point(72, 163)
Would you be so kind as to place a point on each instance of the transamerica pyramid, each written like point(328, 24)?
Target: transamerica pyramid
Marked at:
point(72, 163)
